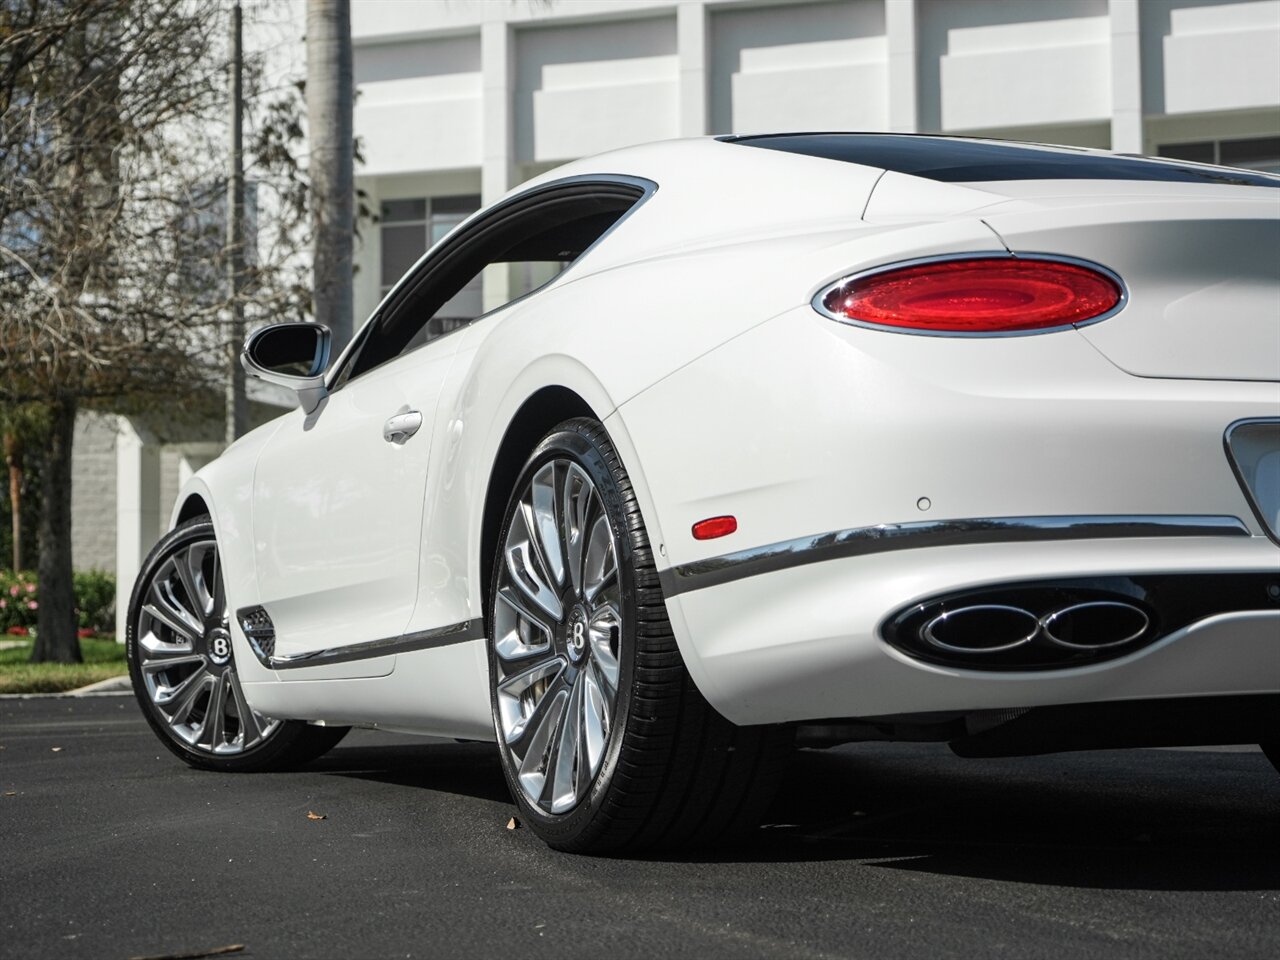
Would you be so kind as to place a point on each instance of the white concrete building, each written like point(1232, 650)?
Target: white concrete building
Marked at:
point(460, 100)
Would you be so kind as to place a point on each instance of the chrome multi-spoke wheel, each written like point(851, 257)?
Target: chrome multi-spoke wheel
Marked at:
point(557, 635)
point(184, 655)
point(184, 670)
point(605, 741)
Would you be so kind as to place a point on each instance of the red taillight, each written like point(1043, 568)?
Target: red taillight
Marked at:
point(714, 527)
point(986, 295)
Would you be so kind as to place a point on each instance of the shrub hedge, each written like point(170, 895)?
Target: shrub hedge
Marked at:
point(20, 601)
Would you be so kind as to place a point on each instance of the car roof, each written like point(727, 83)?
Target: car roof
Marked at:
point(713, 191)
point(968, 160)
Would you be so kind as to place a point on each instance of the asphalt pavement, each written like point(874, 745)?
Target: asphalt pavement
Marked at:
point(110, 847)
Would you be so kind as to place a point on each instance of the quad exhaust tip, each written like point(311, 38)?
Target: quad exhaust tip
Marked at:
point(986, 628)
point(1064, 623)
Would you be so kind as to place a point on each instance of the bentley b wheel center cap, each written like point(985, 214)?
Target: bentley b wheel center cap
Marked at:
point(577, 629)
point(219, 646)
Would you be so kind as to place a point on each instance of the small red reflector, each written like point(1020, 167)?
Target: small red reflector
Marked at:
point(714, 527)
point(981, 295)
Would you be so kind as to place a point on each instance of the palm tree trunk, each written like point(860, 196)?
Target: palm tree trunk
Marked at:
point(329, 122)
point(56, 618)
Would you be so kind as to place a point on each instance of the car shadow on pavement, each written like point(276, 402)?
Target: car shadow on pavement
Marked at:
point(1135, 819)
point(466, 769)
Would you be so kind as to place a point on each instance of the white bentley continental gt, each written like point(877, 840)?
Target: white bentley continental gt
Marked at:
point(752, 443)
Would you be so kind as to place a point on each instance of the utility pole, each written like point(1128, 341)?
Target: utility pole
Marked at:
point(237, 408)
point(329, 127)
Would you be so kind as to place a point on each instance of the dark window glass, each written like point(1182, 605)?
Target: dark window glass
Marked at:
point(974, 161)
point(411, 227)
point(1258, 153)
point(465, 205)
point(402, 245)
point(1195, 152)
point(532, 238)
point(393, 210)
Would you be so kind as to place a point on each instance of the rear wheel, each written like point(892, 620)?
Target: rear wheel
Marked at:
point(183, 667)
point(606, 743)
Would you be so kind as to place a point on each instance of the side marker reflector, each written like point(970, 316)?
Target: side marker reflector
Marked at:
point(714, 527)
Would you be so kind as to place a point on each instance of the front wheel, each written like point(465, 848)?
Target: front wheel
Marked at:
point(606, 744)
point(178, 645)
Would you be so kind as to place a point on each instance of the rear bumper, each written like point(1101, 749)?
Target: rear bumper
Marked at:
point(872, 452)
point(806, 642)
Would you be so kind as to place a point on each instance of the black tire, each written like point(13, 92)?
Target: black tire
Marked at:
point(674, 773)
point(192, 669)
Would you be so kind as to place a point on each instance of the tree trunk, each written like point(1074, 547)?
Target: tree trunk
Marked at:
point(329, 122)
point(13, 457)
point(56, 620)
point(237, 403)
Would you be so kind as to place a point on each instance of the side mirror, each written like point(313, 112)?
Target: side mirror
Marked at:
point(293, 355)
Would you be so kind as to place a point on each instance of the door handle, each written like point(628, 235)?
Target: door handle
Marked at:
point(401, 427)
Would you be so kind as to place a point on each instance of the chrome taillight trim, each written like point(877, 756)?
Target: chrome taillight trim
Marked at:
point(816, 301)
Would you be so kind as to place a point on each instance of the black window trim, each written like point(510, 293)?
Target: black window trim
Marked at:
point(474, 229)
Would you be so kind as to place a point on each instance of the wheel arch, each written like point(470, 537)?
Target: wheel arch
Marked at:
point(192, 506)
point(540, 412)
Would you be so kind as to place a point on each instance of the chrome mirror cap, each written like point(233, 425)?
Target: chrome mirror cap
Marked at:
point(292, 355)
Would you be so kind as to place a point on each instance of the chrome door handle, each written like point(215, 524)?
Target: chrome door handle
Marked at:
point(401, 427)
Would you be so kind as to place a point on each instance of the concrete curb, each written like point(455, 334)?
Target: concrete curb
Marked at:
point(120, 686)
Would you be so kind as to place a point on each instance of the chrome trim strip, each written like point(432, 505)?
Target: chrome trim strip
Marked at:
point(884, 537)
point(816, 301)
point(422, 640)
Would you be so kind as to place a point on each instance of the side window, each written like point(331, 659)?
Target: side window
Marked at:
point(505, 254)
point(410, 227)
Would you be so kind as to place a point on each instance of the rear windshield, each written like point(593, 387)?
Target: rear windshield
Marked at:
point(972, 161)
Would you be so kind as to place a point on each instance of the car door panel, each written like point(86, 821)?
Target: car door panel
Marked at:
point(338, 511)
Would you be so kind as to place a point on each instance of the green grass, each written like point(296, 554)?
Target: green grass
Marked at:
point(103, 658)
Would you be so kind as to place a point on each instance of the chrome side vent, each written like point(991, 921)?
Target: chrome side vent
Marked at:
point(259, 631)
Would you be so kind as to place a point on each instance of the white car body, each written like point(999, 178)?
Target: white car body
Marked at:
point(690, 333)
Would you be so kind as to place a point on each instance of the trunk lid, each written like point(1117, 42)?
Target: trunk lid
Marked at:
point(1201, 264)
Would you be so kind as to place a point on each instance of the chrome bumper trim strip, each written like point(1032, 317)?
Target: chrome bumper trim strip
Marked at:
point(882, 538)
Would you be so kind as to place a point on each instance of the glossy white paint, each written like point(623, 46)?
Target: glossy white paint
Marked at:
point(690, 334)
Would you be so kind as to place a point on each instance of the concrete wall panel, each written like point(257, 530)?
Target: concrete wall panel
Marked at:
point(1000, 63)
point(1202, 55)
point(418, 104)
point(799, 67)
point(588, 88)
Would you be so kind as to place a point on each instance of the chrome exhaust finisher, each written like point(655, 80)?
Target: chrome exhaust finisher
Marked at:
point(1095, 625)
point(1060, 624)
point(981, 628)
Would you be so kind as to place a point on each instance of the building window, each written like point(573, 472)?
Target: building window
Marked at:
point(410, 227)
point(1253, 153)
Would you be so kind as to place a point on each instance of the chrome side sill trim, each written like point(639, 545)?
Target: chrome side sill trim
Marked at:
point(884, 537)
point(405, 643)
